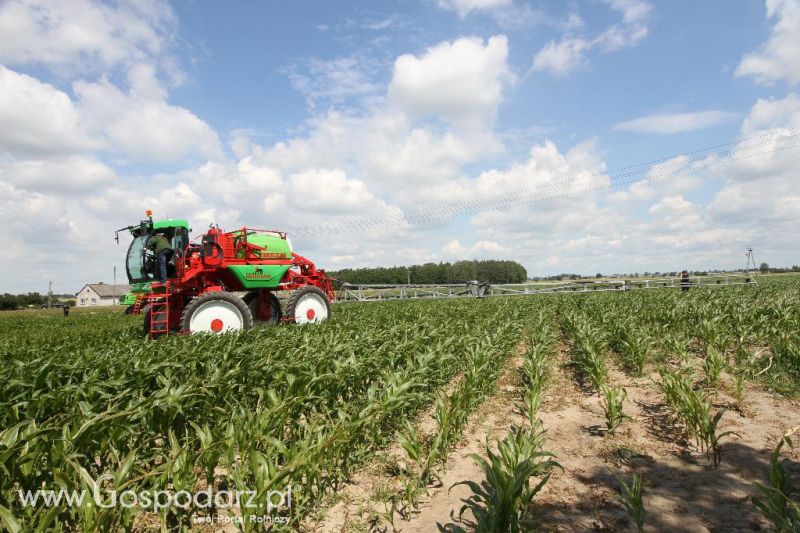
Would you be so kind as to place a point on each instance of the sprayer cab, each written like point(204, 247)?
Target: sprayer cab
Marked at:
point(140, 262)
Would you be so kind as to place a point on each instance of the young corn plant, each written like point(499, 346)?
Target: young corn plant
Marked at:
point(694, 410)
point(613, 399)
point(410, 442)
point(587, 347)
point(709, 436)
point(631, 496)
point(531, 402)
point(713, 367)
point(775, 500)
point(502, 501)
point(738, 389)
point(633, 347)
point(535, 369)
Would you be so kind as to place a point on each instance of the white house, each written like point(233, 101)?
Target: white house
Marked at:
point(100, 294)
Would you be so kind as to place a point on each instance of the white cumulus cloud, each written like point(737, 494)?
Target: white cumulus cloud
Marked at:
point(58, 175)
point(37, 118)
point(462, 80)
point(330, 191)
point(779, 58)
point(141, 127)
point(479, 250)
point(83, 35)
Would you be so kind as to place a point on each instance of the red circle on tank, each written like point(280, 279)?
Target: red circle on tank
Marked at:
point(310, 314)
point(216, 325)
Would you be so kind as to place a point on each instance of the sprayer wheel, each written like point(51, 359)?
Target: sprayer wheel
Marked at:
point(216, 312)
point(308, 304)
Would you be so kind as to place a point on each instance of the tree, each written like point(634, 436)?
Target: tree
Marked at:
point(598, 275)
point(764, 268)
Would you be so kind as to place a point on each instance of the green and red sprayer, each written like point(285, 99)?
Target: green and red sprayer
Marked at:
point(222, 280)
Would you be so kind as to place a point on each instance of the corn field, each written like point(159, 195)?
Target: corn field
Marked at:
point(87, 403)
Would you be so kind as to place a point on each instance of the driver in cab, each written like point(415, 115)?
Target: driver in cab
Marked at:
point(162, 249)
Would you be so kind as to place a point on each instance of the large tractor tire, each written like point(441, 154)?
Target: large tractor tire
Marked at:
point(308, 304)
point(251, 299)
point(216, 312)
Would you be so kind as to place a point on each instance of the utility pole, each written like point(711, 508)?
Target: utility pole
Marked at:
point(50, 295)
point(408, 276)
point(114, 286)
point(750, 260)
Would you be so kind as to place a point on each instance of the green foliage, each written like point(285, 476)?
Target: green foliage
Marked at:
point(613, 400)
point(738, 389)
point(695, 411)
point(88, 396)
point(632, 344)
point(713, 366)
point(755, 326)
point(535, 365)
point(502, 501)
point(21, 301)
point(587, 345)
point(631, 497)
point(253, 410)
point(775, 501)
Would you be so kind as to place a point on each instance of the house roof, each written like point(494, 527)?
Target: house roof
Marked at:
point(107, 290)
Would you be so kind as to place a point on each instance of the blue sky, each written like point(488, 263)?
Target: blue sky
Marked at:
point(244, 55)
point(298, 115)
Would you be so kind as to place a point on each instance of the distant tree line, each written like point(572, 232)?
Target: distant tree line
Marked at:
point(559, 277)
point(15, 301)
point(766, 269)
point(35, 299)
point(491, 271)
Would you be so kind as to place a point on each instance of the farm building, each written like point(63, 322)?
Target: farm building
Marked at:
point(93, 294)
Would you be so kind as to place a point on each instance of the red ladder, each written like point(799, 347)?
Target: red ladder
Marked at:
point(159, 310)
point(137, 305)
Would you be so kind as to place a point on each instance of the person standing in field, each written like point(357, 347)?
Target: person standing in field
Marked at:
point(685, 280)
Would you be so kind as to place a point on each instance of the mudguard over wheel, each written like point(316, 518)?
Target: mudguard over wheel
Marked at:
point(308, 304)
point(273, 308)
point(216, 312)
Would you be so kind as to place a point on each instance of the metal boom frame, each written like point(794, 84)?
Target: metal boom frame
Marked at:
point(350, 292)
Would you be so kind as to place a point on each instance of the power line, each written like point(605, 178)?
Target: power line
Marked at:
point(445, 211)
point(674, 165)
